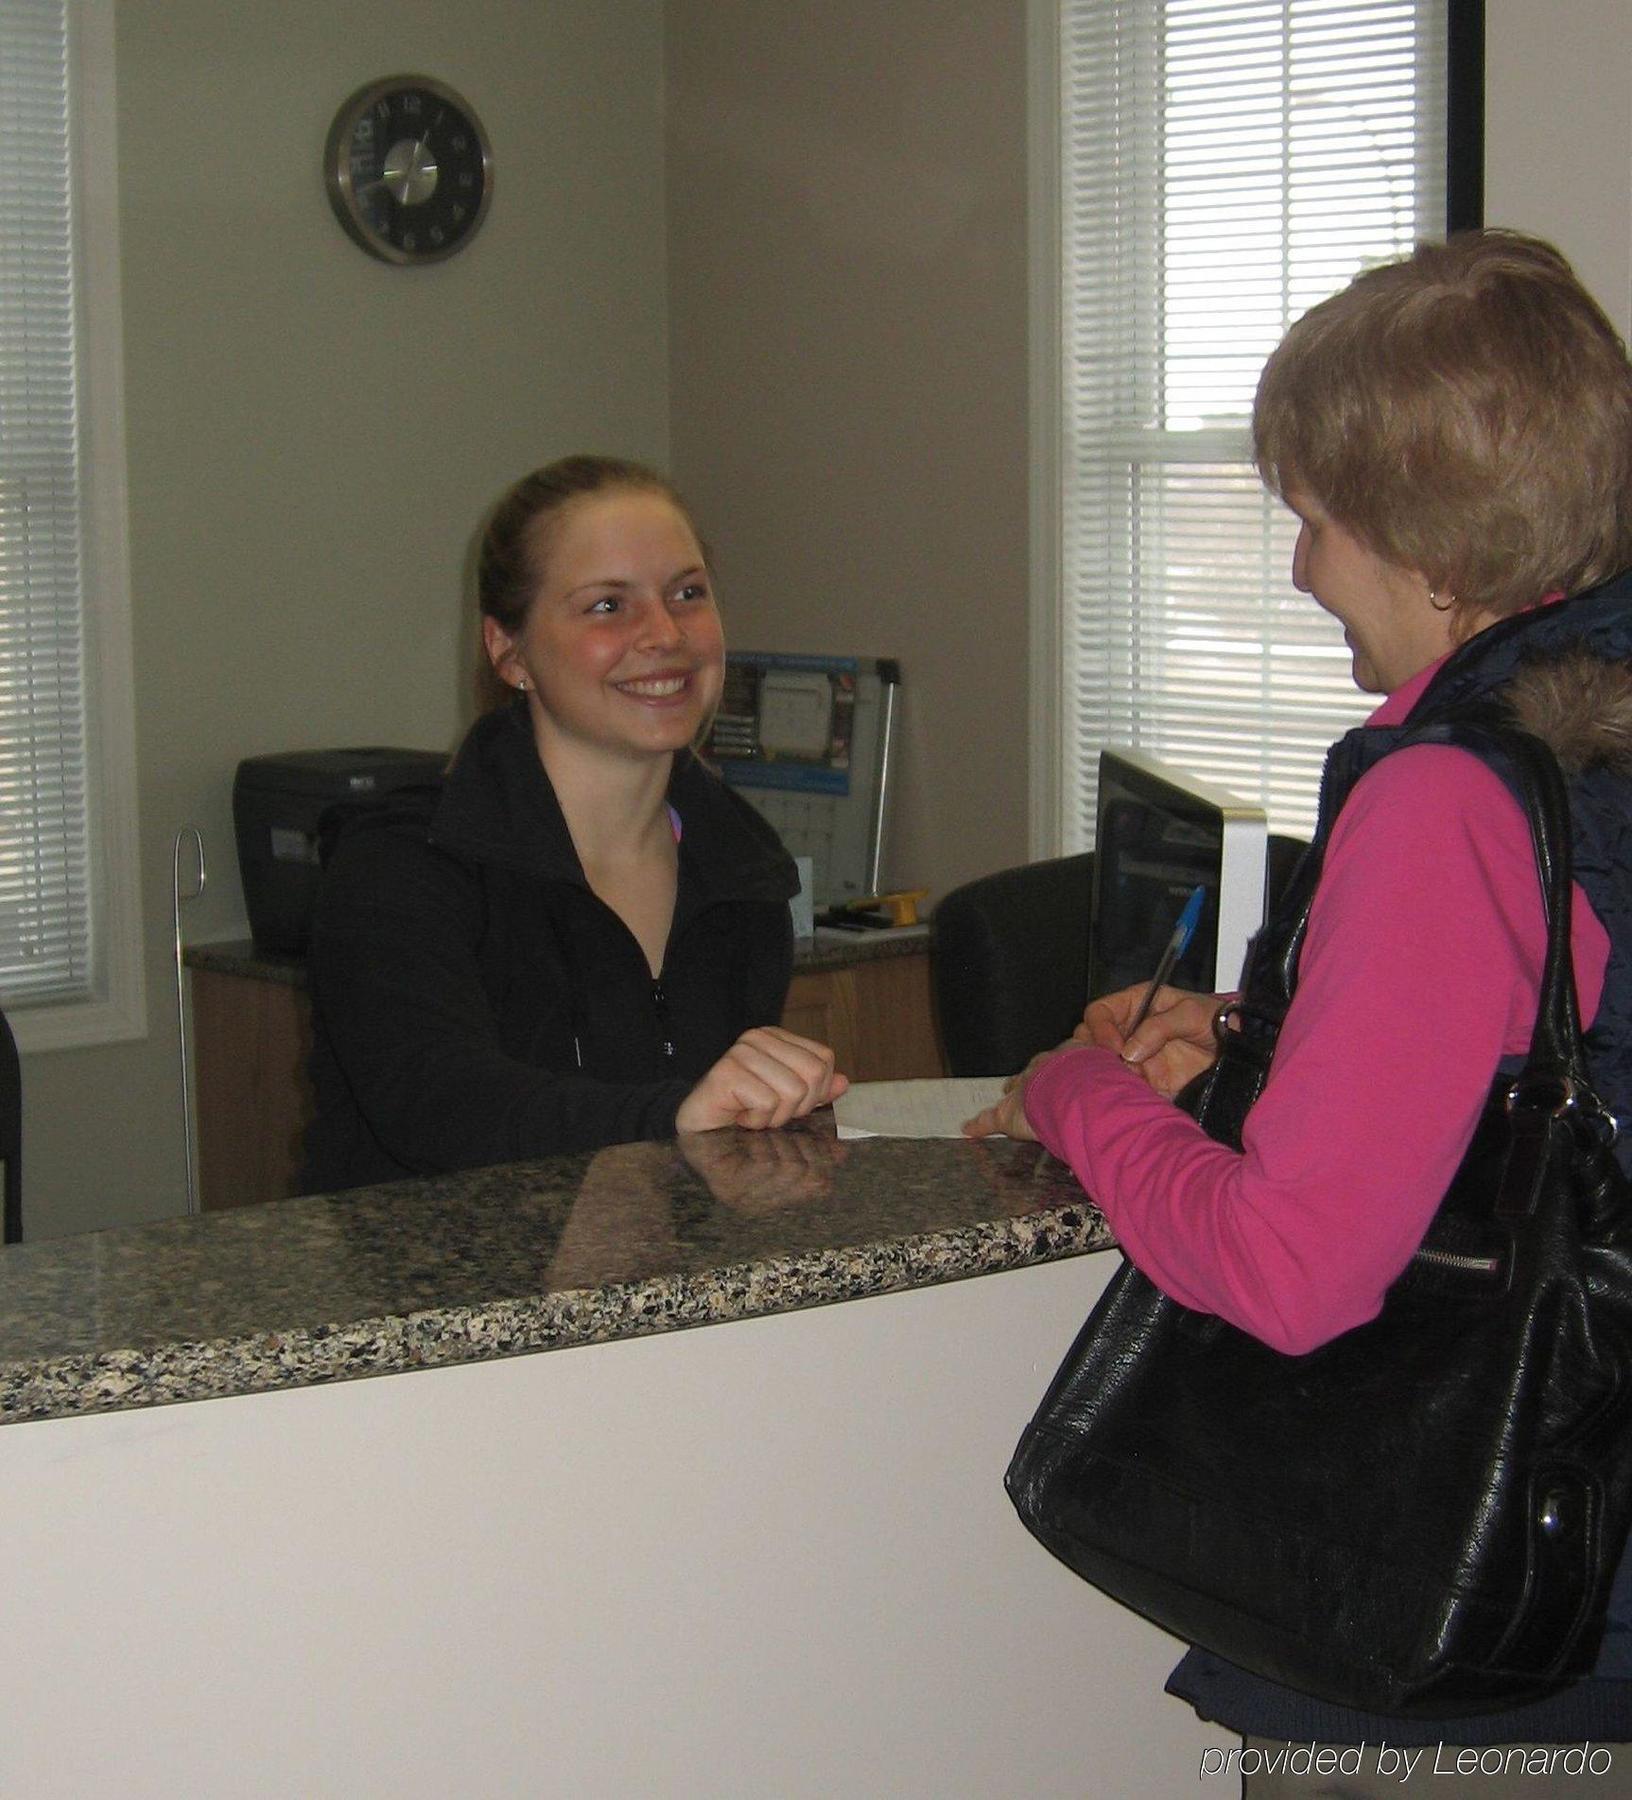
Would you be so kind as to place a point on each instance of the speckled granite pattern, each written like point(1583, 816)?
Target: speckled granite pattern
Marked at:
point(638, 1239)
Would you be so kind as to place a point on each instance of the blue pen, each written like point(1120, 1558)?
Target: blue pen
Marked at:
point(1189, 919)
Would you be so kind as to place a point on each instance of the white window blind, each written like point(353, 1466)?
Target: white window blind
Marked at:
point(45, 927)
point(70, 924)
point(1225, 164)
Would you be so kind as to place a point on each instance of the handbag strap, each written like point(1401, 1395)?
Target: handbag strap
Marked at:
point(1557, 1061)
point(1556, 1050)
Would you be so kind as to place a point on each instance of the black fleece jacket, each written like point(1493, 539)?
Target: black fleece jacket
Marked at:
point(474, 1002)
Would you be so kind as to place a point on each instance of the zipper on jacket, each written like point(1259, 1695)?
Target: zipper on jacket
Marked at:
point(665, 1030)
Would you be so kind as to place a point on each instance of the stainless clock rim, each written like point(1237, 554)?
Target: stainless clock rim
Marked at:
point(337, 169)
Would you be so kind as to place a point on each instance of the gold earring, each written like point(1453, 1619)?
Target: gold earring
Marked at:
point(1435, 602)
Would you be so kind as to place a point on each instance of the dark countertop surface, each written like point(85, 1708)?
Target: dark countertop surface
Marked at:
point(637, 1239)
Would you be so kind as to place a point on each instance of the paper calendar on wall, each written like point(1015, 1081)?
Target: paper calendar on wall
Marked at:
point(807, 739)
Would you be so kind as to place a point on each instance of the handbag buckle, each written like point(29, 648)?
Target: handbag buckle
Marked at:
point(1557, 1095)
point(1221, 1019)
point(1554, 1095)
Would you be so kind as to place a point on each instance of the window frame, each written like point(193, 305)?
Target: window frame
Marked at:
point(1465, 37)
point(115, 1009)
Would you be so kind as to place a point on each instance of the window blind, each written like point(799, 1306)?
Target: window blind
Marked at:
point(45, 909)
point(1225, 164)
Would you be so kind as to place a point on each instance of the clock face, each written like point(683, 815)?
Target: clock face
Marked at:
point(409, 171)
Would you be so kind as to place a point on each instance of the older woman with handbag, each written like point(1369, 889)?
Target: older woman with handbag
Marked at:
point(1454, 433)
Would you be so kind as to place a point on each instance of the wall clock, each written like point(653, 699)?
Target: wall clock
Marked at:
point(409, 170)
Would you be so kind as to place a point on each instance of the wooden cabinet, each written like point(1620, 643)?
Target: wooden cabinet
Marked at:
point(877, 1015)
point(251, 1039)
point(252, 1034)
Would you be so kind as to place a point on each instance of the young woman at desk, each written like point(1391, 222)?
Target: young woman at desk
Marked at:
point(583, 938)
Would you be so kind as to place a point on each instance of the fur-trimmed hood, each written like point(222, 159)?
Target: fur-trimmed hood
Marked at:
point(1579, 706)
point(1564, 671)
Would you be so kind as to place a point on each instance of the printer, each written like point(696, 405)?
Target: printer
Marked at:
point(285, 811)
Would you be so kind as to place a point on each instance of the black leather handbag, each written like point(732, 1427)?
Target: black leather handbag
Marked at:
point(1423, 1516)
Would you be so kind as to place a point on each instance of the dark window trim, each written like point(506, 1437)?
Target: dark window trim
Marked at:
point(1465, 115)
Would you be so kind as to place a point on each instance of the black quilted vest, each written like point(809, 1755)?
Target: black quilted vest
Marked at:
point(1600, 622)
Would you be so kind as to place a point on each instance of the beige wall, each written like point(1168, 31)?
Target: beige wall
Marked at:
point(312, 434)
point(847, 275)
point(1558, 128)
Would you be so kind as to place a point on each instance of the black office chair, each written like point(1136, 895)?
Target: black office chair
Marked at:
point(1009, 963)
point(1010, 958)
point(11, 1134)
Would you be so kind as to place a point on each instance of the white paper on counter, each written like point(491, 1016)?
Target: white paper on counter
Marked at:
point(914, 1109)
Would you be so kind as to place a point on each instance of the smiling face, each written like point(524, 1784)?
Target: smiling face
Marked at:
point(1389, 620)
point(620, 651)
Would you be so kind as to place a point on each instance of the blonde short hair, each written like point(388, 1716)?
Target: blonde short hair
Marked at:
point(1467, 413)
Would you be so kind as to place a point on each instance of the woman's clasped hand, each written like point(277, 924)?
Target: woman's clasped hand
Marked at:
point(768, 1078)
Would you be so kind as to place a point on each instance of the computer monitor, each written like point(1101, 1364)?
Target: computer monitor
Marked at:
point(1159, 835)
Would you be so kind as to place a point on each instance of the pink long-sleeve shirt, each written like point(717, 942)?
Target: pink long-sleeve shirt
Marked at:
point(1419, 971)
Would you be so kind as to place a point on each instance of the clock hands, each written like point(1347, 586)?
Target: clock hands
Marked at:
point(411, 169)
point(408, 170)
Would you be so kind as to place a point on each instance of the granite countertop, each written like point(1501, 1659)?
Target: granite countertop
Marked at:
point(829, 949)
point(637, 1239)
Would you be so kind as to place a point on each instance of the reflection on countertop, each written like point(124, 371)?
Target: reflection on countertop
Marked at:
point(637, 1239)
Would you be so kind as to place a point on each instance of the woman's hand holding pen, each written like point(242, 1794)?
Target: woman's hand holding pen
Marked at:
point(766, 1078)
point(1170, 1046)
